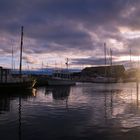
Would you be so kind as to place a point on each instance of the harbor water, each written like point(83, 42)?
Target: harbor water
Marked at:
point(81, 112)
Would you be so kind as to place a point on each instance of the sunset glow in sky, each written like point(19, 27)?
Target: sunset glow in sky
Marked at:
point(76, 29)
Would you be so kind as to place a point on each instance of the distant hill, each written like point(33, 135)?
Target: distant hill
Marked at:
point(48, 71)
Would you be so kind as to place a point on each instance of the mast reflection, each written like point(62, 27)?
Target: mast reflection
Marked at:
point(6, 98)
point(19, 119)
point(137, 93)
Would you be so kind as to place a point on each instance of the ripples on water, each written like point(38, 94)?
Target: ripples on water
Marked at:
point(85, 111)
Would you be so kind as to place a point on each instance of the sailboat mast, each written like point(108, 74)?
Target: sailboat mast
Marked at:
point(21, 45)
point(110, 62)
point(110, 57)
point(130, 58)
point(105, 52)
point(42, 66)
point(105, 58)
point(12, 63)
point(67, 63)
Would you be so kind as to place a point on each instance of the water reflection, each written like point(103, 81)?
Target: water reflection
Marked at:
point(19, 113)
point(137, 93)
point(85, 111)
point(58, 92)
point(6, 97)
point(4, 104)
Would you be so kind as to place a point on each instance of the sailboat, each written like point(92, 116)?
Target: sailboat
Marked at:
point(107, 69)
point(8, 82)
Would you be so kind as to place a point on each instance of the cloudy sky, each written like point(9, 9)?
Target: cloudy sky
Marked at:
point(76, 29)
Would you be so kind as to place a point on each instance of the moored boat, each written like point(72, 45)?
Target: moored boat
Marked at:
point(17, 85)
point(60, 78)
point(59, 81)
point(8, 81)
point(104, 80)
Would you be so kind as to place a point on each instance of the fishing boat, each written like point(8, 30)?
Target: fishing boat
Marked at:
point(60, 77)
point(60, 81)
point(8, 81)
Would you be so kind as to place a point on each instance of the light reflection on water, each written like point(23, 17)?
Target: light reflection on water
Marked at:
point(84, 111)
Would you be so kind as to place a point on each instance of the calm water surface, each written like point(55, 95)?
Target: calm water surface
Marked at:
point(85, 111)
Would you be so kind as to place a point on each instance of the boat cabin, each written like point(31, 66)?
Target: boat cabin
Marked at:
point(62, 74)
point(4, 74)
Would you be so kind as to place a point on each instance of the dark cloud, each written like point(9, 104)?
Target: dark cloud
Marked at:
point(69, 25)
point(88, 61)
point(100, 61)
